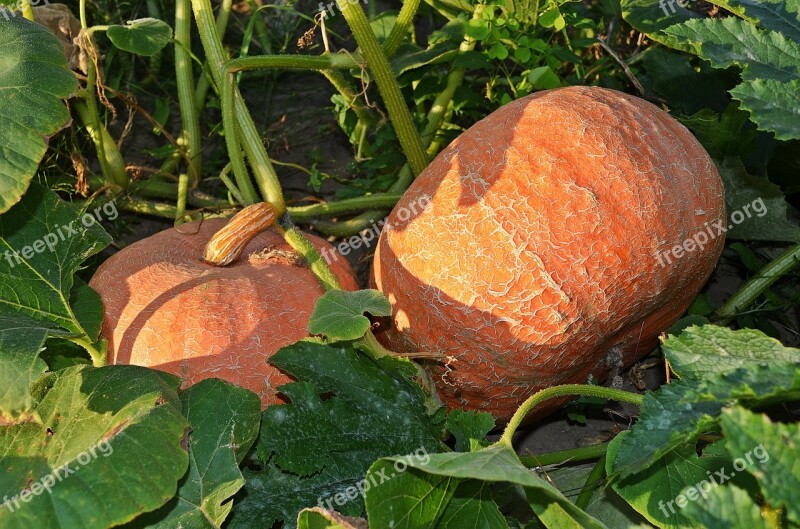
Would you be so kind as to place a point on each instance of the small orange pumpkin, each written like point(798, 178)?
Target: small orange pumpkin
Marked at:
point(167, 309)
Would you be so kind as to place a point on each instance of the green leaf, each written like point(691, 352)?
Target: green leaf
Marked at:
point(469, 428)
point(439, 53)
point(318, 518)
point(733, 41)
point(770, 64)
point(224, 419)
point(406, 498)
point(110, 446)
point(145, 36)
point(605, 504)
point(724, 134)
point(34, 80)
point(776, 15)
point(339, 314)
point(21, 340)
point(472, 506)
point(544, 78)
point(771, 452)
point(700, 352)
point(757, 204)
point(774, 106)
point(498, 463)
point(680, 412)
point(661, 492)
point(39, 254)
point(347, 411)
point(478, 29)
point(726, 507)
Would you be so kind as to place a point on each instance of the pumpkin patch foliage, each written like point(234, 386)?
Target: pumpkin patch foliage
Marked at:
point(448, 264)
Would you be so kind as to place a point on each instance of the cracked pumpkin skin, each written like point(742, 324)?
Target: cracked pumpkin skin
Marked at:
point(167, 309)
point(535, 263)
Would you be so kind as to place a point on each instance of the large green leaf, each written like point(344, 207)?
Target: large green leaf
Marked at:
point(21, 340)
point(699, 352)
point(604, 504)
point(495, 464)
point(224, 420)
point(757, 208)
point(347, 411)
point(770, 452)
point(472, 503)
point(735, 42)
point(777, 15)
point(661, 492)
point(34, 80)
point(111, 445)
point(727, 508)
point(770, 63)
point(43, 242)
point(410, 499)
point(774, 106)
point(680, 412)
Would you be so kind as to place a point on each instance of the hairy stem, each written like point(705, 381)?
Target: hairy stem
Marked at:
point(567, 390)
point(758, 284)
point(110, 158)
point(190, 118)
point(404, 20)
point(592, 482)
point(379, 67)
point(573, 455)
point(254, 149)
point(341, 207)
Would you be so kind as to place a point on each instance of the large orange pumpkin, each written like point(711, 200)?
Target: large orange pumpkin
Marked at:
point(540, 258)
point(167, 309)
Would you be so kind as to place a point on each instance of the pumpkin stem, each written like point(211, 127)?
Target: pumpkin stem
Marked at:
point(228, 243)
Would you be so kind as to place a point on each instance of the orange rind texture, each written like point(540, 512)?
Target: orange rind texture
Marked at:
point(167, 309)
point(536, 262)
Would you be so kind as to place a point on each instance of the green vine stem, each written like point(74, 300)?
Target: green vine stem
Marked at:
point(109, 156)
point(342, 207)
point(401, 26)
point(190, 118)
point(327, 61)
point(755, 286)
point(204, 84)
point(435, 120)
point(98, 355)
point(567, 390)
point(592, 481)
point(243, 183)
point(573, 455)
point(303, 246)
point(254, 149)
point(379, 67)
